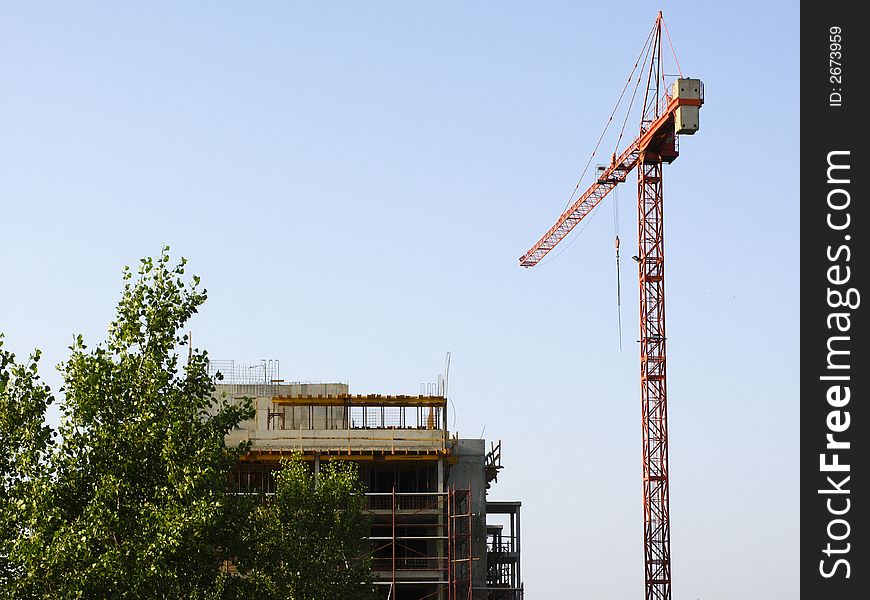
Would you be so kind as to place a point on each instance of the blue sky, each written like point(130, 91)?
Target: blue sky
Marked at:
point(355, 183)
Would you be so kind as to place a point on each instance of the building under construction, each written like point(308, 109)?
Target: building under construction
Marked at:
point(433, 533)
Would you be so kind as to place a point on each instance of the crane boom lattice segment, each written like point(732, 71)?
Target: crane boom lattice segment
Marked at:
point(614, 174)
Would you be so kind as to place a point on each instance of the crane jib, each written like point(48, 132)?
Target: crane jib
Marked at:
point(615, 173)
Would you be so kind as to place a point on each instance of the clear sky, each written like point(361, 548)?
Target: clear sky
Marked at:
point(355, 182)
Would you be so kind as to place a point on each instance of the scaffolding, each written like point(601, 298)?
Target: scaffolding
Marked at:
point(492, 463)
point(421, 543)
point(461, 553)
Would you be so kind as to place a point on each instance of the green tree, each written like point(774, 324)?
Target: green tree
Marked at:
point(133, 502)
point(309, 541)
point(25, 441)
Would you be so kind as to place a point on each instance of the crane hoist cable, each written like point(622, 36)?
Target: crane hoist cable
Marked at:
point(618, 285)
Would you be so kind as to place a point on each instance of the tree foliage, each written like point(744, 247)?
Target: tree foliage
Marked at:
point(25, 441)
point(309, 541)
point(131, 500)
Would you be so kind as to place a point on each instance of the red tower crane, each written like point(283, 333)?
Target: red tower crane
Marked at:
point(665, 113)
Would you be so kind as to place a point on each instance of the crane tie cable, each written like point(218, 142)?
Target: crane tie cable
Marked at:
point(643, 51)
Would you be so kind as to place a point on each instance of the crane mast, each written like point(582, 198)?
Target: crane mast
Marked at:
point(653, 363)
point(663, 116)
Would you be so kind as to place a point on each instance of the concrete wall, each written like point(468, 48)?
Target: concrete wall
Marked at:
point(373, 440)
point(468, 472)
point(322, 417)
point(318, 428)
